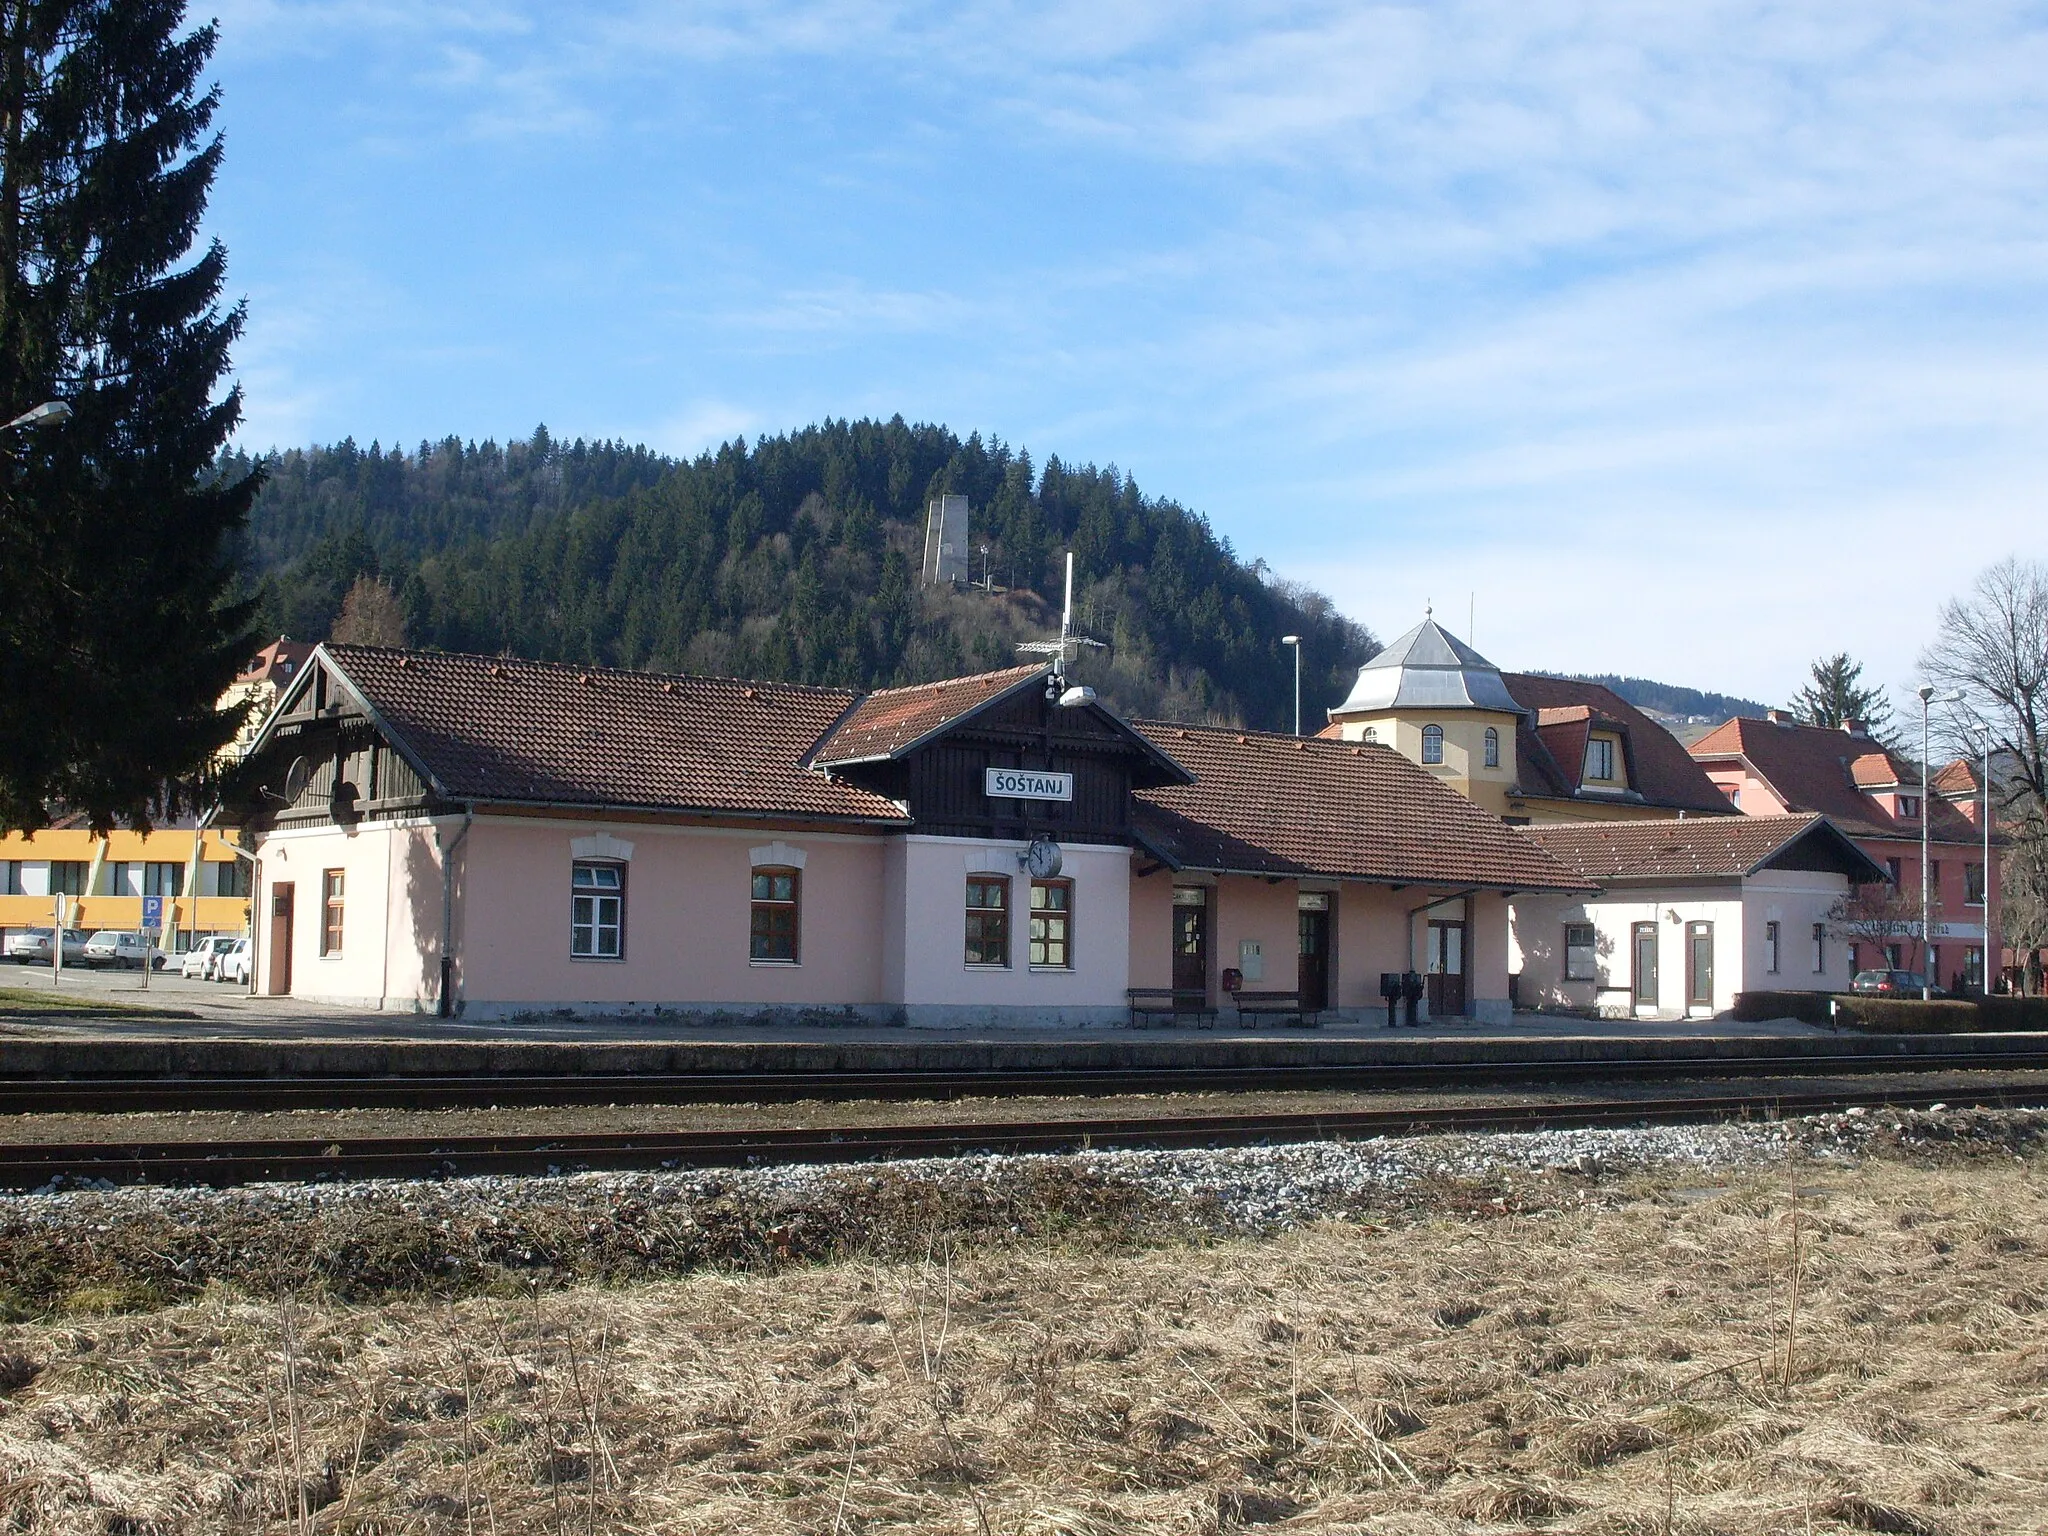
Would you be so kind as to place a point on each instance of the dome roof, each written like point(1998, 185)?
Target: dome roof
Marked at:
point(1428, 668)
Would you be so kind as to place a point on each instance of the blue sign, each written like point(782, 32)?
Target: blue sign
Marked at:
point(152, 912)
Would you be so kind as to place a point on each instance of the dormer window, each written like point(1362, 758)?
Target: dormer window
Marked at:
point(1492, 747)
point(1600, 759)
point(1432, 743)
point(1909, 807)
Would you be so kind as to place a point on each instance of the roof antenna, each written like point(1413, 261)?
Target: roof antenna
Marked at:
point(1062, 651)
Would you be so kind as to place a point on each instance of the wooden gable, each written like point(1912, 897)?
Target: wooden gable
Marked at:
point(322, 759)
point(943, 778)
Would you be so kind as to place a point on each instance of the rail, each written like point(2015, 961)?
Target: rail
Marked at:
point(243, 1162)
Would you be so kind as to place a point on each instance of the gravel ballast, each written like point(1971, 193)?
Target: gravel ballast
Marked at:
point(98, 1248)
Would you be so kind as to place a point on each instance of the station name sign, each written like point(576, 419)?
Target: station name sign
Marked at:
point(1026, 784)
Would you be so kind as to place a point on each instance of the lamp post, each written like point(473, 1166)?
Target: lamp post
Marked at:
point(1994, 953)
point(51, 413)
point(1926, 897)
point(1293, 643)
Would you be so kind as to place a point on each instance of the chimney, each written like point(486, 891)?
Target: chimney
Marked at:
point(1856, 727)
point(1779, 716)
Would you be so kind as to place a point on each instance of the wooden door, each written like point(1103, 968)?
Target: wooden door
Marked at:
point(281, 939)
point(1446, 970)
point(1191, 939)
point(1643, 945)
point(1699, 966)
point(1312, 978)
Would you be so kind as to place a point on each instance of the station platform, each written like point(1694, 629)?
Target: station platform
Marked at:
point(281, 1044)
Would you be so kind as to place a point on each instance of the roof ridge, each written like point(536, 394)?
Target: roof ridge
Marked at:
point(952, 682)
point(340, 649)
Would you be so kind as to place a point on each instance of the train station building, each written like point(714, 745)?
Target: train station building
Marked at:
point(488, 836)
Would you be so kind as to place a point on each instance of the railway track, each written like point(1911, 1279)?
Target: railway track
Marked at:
point(112, 1094)
point(231, 1163)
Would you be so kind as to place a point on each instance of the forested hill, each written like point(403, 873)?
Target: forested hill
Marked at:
point(1670, 699)
point(797, 557)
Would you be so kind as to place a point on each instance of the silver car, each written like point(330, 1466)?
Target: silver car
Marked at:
point(31, 946)
point(118, 947)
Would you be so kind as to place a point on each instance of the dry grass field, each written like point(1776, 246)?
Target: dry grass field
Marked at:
point(1822, 1348)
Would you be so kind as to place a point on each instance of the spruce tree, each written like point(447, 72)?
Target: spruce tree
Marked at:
point(118, 631)
point(1837, 694)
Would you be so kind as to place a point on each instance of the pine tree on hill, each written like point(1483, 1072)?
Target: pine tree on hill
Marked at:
point(117, 632)
point(1838, 694)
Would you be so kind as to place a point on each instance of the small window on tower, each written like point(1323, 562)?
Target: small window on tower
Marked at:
point(1432, 743)
point(1492, 747)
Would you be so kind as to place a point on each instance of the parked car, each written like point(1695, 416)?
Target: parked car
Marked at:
point(1891, 984)
point(202, 961)
point(31, 946)
point(234, 964)
point(128, 951)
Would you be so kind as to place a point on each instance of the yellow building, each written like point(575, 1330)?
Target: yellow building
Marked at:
point(1529, 749)
point(103, 880)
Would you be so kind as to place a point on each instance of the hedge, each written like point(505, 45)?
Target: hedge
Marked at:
point(1807, 1007)
point(1895, 1015)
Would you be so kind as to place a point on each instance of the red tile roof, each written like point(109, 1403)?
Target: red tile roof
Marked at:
point(1301, 806)
point(887, 723)
point(1960, 777)
point(1550, 756)
point(1697, 846)
point(526, 732)
point(1812, 768)
point(278, 662)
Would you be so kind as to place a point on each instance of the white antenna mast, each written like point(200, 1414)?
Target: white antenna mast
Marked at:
point(1063, 650)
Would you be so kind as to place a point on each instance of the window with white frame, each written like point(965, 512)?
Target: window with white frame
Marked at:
point(1581, 952)
point(1432, 743)
point(1600, 758)
point(1492, 747)
point(597, 911)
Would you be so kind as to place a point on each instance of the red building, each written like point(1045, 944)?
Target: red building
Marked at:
point(1771, 766)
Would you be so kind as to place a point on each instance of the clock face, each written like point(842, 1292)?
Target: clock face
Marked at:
point(1043, 858)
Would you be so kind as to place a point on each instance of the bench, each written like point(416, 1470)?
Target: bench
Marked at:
point(1169, 1005)
point(1286, 1005)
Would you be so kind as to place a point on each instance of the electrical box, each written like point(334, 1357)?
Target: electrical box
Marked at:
point(1251, 959)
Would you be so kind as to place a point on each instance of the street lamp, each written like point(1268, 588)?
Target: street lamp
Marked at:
point(51, 413)
point(1293, 643)
point(1926, 904)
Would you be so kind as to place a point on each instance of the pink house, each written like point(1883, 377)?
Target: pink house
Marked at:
point(1772, 766)
point(490, 836)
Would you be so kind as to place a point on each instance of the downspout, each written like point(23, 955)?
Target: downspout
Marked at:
point(446, 1006)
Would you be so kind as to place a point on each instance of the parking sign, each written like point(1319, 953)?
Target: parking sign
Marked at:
point(152, 913)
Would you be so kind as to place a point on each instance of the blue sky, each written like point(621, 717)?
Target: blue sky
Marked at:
point(1695, 340)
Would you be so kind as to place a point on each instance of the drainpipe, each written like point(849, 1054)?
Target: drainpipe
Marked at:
point(445, 1008)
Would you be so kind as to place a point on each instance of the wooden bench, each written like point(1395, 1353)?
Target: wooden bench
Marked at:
point(1169, 1005)
point(1286, 1005)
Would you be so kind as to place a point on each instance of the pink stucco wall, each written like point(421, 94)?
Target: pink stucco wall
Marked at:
point(1151, 932)
point(391, 914)
point(688, 911)
point(934, 968)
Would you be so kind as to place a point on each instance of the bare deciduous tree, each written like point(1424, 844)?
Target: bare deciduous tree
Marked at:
point(1991, 652)
point(371, 614)
point(1880, 914)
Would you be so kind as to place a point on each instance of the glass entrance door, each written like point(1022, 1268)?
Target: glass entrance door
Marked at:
point(1446, 969)
point(1313, 974)
point(1643, 946)
point(1699, 967)
point(1191, 939)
